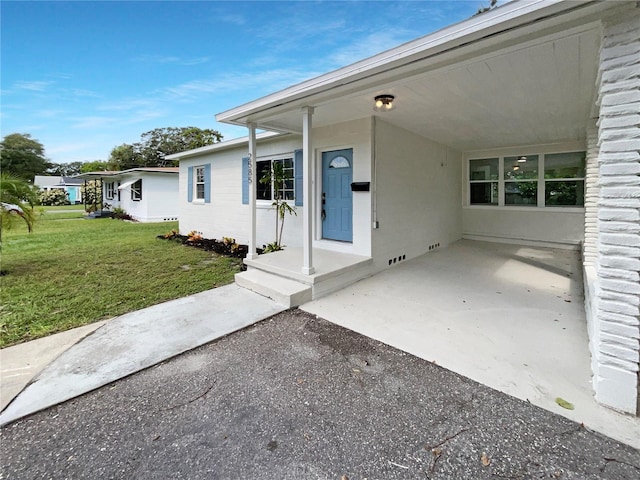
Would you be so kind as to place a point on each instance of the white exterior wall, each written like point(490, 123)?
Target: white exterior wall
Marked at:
point(159, 201)
point(160, 194)
point(554, 226)
point(617, 282)
point(418, 190)
point(590, 246)
point(226, 215)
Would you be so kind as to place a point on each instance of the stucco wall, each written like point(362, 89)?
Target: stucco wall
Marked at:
point(418, 191)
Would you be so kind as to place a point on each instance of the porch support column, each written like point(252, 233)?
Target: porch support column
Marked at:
point(307, 195)
point(252, 254)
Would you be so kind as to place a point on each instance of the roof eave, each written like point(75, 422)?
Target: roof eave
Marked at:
point(221, 146)
point(506, 17)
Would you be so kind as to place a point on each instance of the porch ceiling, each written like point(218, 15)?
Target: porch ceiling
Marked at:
point(541, 91)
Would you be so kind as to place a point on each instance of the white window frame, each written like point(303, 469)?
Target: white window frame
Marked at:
point(109, 190)
point(277, 158)
point(136, 193)
point(198, 179)
point(501, 155)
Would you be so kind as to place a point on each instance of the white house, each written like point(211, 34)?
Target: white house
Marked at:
point(517, 125)
point(148, 194)
point(71, 185)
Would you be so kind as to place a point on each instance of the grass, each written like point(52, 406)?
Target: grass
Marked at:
point(71, 272)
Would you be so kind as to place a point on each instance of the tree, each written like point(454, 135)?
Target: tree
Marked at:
point(122, 157)
point(92, 195)
point(155, 144)
point(17, 199)
point(96, 166)
point(23, 156)
point(65, 169)
point(278, 178)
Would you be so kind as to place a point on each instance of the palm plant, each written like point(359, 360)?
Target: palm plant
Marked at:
point(17, 199)
point(277, 176)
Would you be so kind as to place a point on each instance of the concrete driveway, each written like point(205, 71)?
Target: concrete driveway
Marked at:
point(296, 397)
point(507, 316)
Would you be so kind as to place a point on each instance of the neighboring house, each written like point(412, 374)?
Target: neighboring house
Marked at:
point(71, 185)
point(148, 194)
point(517, 125)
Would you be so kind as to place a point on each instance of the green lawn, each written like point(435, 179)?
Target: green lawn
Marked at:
point(71, 271)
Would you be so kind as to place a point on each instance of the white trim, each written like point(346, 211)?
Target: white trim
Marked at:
point(234, 142)
point(522, 241)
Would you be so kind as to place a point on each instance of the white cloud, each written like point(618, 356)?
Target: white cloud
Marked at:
point(168, 59)
point(34, 86)
point(367, 46)
point(90, 122)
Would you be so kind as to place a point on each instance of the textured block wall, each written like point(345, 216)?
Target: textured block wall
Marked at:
point(617, 255)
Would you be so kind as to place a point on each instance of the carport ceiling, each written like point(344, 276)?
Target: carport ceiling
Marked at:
point(540, 92)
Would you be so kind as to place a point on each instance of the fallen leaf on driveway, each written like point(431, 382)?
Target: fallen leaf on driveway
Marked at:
point(486, 461)
point(564, 404)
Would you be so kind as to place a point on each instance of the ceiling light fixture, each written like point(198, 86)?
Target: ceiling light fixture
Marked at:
point(522, 159)
point(384, 102)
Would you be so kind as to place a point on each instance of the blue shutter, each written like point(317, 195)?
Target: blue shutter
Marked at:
point(190, 184)
point(298, 177)
point(245, 180)
point(207, 183)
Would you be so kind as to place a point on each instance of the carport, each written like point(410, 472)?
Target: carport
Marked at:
point(505, 315)
point(528, 80)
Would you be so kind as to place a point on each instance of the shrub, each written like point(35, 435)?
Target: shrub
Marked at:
point(120, 214)
point(54, 197)
point(226, 246)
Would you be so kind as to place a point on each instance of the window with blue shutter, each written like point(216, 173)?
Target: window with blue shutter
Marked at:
point(292, 188)
point(199, 183)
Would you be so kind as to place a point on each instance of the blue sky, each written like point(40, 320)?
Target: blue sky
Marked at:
point(83, 77)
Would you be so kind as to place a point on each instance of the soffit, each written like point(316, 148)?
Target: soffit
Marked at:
point(537, 91)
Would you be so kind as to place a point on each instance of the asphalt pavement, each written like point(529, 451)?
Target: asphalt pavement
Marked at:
point(295, 396)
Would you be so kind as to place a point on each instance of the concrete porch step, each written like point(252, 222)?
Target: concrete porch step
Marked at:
point(284, 291)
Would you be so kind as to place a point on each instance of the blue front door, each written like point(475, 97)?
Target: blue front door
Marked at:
point(337, 204)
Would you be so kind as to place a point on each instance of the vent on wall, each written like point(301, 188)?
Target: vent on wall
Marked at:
point(434, 246)
point(397, 259)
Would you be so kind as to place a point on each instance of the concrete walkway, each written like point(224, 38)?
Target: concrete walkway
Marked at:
point(130, 343)
point(22, 363)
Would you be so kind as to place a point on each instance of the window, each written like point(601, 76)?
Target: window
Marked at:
point(199, 183)
point(110, 190)
point(483, 177)
point(550, 180)
point(521, 180)
point(136, 191)
point(564, 179)
point(280, 168)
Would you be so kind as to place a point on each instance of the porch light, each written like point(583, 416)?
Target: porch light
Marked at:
point(384, 102)
point(522, 159)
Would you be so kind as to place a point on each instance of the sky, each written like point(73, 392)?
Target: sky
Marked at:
point(83, 77)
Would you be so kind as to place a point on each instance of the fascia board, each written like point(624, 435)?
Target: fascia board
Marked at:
point(222, 146)
point(507, 17)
